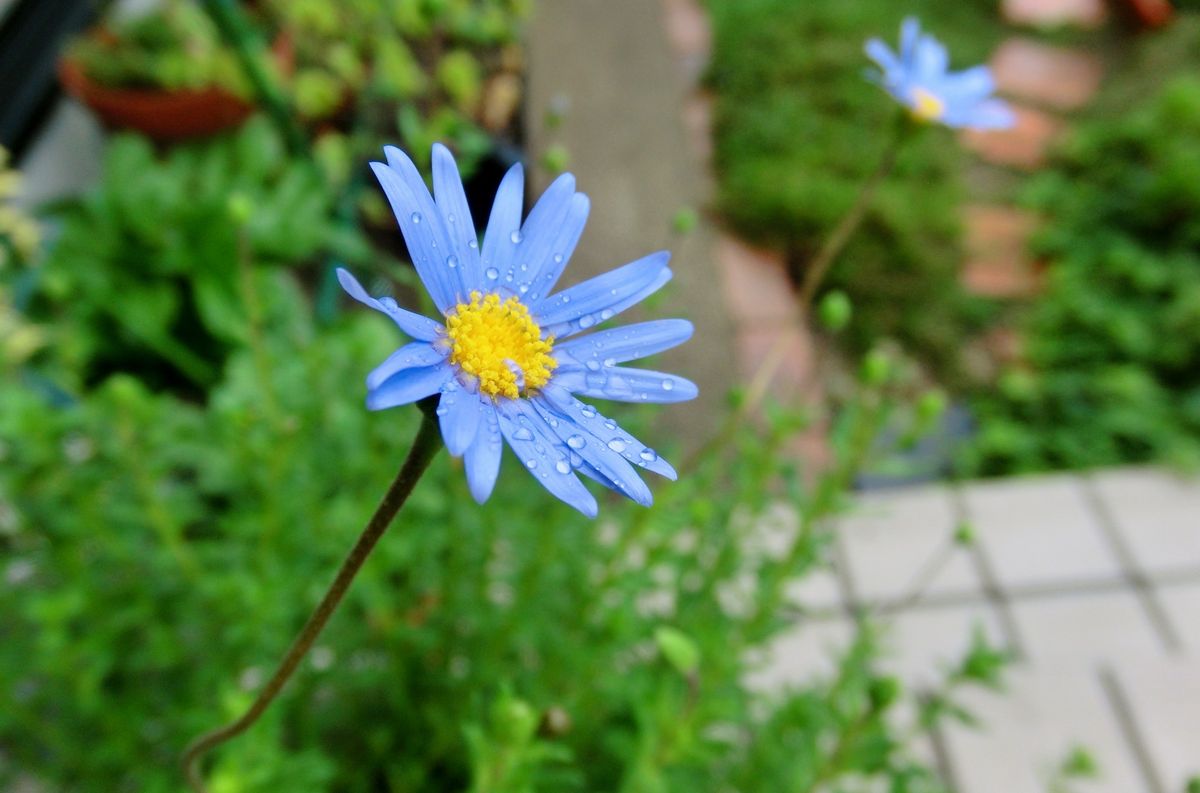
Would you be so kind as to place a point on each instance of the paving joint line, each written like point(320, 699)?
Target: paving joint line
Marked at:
point(1119, 701)
point(1137, 579)
point(993, 592)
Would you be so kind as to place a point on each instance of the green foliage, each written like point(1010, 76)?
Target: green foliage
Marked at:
point(798, 128)
point(160, 554)
point(173, 48)
point(1112, 348)
point(147, 274)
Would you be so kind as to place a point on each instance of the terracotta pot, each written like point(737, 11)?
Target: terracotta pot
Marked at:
point(165, 116)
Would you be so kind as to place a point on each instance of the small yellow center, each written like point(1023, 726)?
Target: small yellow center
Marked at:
point(926, 106)
point(494, 341)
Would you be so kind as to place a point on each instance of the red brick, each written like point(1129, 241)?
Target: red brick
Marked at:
point(998, 262)
point(1061, 78)
point(697, 121)
point(688, 28)
point(757, 287)
point(1023, 146)
point(1088, 14)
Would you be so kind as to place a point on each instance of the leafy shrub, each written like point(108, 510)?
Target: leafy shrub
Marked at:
point(1112, 348)
point(148, 273)
point(172, 48)
point(159, 555)
point(798, 129)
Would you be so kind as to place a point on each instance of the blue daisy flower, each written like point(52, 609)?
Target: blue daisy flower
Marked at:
point(510, 355)
point(919, 78)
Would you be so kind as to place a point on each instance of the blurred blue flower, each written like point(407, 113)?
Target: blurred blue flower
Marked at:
point(919, 78)
point(507, 359)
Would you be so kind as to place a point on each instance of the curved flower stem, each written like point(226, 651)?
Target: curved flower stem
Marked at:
point(841, 234)
point(760, 381)
point(425, 446)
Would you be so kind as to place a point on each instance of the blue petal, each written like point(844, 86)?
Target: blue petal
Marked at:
point(888, 61)
point(540, 236)
point(482, 459)
point(910, 32)
point(562, 247)
point(624, 384)
point(625, 343)
point(421, 224)
point(556, 402)
point(409, 385)
point(415, 325)
point(931, 61)
point(452, 202)
point(545, 457)
point(416, 355)
point(992, 114)
point(603, 297)
point(499, 250)
point(970, 85)
point(459, 412)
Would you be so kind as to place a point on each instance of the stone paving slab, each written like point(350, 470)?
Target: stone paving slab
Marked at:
point(1084, 629)
point(1028, 729)
point(1181, 602)
point(1039, 531)
point(883, 559)
point(1157, 514)
point(1164, 700)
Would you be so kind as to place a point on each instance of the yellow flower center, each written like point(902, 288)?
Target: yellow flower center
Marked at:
point(494, 341)
point(926, 106)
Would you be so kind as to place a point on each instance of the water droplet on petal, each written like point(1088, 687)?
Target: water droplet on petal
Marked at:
point(558, 258)
point(442, 410)
point(531, 464)
point(586, 321)
point(576, 442)
point(415, 217)
point(515, 236)
point(610, 361)
point(450, 217)
point(610, 425)
point(472, 244)
point(523, 434)
point(563, 467)
point(606, 313)
point(576, 460)
point(667, 385)
point(523, 288)
point(524, 268)
point(492, 273)
point(593, 365)
point(389, 303)
point(617, 445)
point(566, 298)
point(648, 454)
point(588, 412)
point(451, 262)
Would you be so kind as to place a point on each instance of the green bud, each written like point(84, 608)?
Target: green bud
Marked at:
point(931, 405)
point(685, 220)
point(240, 208)
point(876, 368)
point(1081, 764)
point(556, 158)
point(884, 691)
point(513, 720)
point(678, 649)
point(965, 534)
point(835, 310)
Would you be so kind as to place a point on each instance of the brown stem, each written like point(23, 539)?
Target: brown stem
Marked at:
point(424, 447)
point(836, 242)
